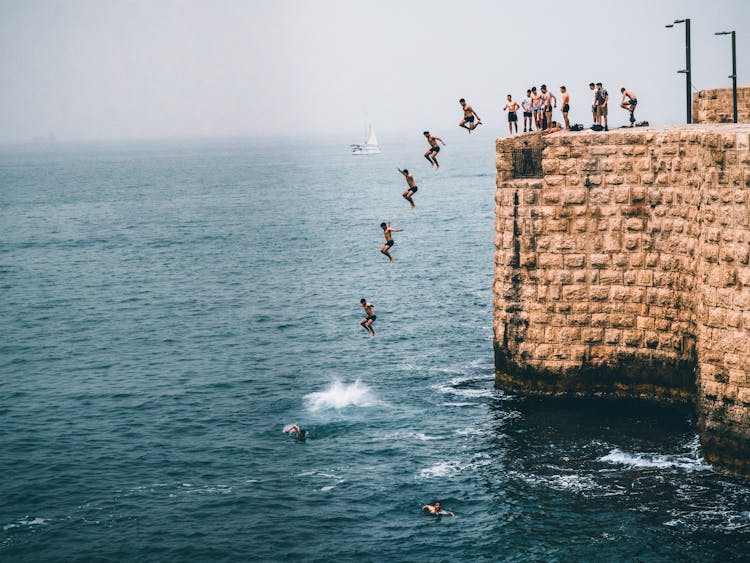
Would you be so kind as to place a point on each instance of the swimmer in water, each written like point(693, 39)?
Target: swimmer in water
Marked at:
point(301, 434)
point(370, 318)
point(437, 510)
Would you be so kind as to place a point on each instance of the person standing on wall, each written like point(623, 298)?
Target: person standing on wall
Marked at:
point(527, 115)
point(512, 107)
point(602, 100)
point(595, 104)
point(565, 101)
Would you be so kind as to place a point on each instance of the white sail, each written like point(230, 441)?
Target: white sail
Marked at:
point(371, 138)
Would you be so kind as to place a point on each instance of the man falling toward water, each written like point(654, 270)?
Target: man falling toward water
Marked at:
point(387, 230)
point(370, 316)
point(431, 155)
point(469, 115)
point(412, 189)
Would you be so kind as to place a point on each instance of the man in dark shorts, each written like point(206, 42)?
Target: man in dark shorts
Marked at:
point(629, 101)
point(412, 189)
point(565, 101)
point(527, 115)
point(431, 155)
point(547, 98)
point(469, 115)
point(387, 230)
point(595, 105)
point(512, 107)
point(370, 318)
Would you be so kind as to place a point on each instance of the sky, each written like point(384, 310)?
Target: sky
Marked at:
point(151, 69)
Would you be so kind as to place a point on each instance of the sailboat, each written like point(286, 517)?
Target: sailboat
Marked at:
point(371, 145)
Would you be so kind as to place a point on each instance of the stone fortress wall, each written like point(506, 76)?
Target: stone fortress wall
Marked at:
point(715, 106)
point(624, 271)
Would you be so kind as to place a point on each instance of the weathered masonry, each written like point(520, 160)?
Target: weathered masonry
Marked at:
point(624, 271)
point(715, 106)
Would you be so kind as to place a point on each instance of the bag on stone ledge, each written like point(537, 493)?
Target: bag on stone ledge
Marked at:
point(596, 127)
point(577, 127)
point(642, 124)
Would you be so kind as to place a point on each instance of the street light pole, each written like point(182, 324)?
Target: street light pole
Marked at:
point(734, 72)
point(686, 71)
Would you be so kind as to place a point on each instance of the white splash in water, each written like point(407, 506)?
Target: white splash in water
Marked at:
point(689, 461)
point(339, 395)
point(440, 469)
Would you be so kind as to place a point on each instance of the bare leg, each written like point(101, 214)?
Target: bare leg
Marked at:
point(366, 324)
point(463, 124)
point(565, 117)
point(434, 159)
point(429, 158)
point(384, 250)
point(515, 125)
point(407, 196)
point(370, 329)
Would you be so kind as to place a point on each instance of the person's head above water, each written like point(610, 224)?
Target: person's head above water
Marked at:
point(363, 301)
point(383, 225)
point(406, 170)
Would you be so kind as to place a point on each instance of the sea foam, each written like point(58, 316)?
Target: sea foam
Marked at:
point(339, 395)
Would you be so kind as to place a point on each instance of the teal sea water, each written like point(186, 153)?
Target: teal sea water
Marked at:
point(167, 308)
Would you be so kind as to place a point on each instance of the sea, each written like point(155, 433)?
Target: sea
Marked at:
point(168, 307)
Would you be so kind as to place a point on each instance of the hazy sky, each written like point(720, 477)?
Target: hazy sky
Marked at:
point(99, 69)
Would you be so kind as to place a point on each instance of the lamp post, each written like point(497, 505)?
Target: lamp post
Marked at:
point(686, 70)
point(733, 76)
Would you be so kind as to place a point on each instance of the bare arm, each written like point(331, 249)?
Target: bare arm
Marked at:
point(439, 139)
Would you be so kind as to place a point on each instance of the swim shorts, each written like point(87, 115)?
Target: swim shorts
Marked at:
point(566, 108)
point(469, 119)
point(512, 117)
point(413, 190)
point(632, 101)
point(372, 317)
point(435, 149)
point(527, 114)
point(389, 243)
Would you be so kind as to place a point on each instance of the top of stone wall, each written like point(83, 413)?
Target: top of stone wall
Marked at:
point(632, 135)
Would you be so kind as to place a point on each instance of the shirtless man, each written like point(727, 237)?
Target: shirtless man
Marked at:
point(437, 510)
point(565, 105)
point(412, 186)
point(512, 107)
point(370, 318)
point(536, 107)
point(602, 97)
point(469, 115)
point(431, 155)
point(554, 127)
point(527, 115)
point(595, 105)
point(387, 230)
point(629, 102)
point(301, 434)
point(547, 98)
